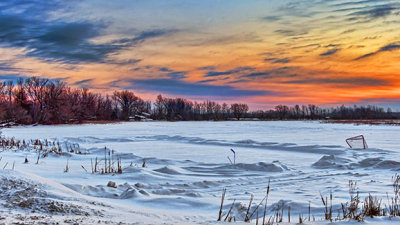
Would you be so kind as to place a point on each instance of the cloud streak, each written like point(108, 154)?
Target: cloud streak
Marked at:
point(278, 60)
point(355, 81)
point(62, 41)
point(387, 48)
point(330, 52)
point(178, 87)
point(285, 71)
point(376, 12)
point(228, 72)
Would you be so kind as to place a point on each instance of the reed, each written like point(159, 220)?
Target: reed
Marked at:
point(222, 204)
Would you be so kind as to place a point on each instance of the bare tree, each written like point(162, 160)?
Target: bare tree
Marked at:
point(239, 110)
point(127, 100)
point(35, 87)
point(282, 111)
point(3, 92)
point(55, 102)
point(10, 88)
point(37, 100)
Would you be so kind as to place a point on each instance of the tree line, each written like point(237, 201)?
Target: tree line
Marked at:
point(42, 101)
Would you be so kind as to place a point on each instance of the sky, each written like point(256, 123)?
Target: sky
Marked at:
point(262, 52)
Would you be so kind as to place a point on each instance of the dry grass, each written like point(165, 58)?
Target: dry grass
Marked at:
point(222, 204)
point(351, 210)
point(327, 207)
point(372, 207)
point(393, 202)
point(111, 164)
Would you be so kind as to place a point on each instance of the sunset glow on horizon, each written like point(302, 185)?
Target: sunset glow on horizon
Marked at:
point(262, 52)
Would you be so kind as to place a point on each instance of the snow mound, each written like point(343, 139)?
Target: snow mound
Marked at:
point(132, 169)
point(29, 195)
point(261, 167)
point(205, 184)
point(129, 193)
point(331, 162)
point(379, 163)
point(183, 192)
point(172, 170)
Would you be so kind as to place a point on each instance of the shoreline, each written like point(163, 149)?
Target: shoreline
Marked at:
point(393, 122)
point(372, 122)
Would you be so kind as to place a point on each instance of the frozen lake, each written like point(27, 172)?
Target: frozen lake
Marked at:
point(187, 163)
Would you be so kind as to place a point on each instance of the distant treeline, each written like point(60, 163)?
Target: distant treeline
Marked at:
point(37, 100)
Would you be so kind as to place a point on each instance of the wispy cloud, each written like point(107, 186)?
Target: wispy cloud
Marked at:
point(272, 18)
point(228, 72)
point(57, 40)
point(86, 83)
point(177, 75)
point(7, 66)
point(355, 81)
point(206, 68)
point(178, 87)
point(291, 32)
point(277, 44)
point(376, 12)
point(285, 71)
point(386, 48)
point(278, 60)
point(330, 52)
point(11, 77)
point(213, 80)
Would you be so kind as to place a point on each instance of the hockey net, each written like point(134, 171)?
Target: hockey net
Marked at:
point(357, 142)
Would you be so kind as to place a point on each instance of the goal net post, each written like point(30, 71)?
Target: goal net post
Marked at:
point(357, 142)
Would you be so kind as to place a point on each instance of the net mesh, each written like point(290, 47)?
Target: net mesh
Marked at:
point(357, 142)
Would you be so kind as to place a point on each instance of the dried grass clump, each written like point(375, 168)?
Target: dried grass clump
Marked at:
point(111, 164)
point(370, 207)
point(43, 148)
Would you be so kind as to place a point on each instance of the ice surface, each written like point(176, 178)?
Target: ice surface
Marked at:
point(187, 167)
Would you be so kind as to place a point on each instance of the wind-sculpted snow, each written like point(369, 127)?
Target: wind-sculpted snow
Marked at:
point(90, 139)
point(31, 195)
point(238, 169)
point(332, 162)
point(379, 163)
point(172, 170)
point(261, 166)
point(183, 167)
point(321, 149)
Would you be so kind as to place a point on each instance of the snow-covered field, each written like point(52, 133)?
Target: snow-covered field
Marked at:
point(187, 167)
